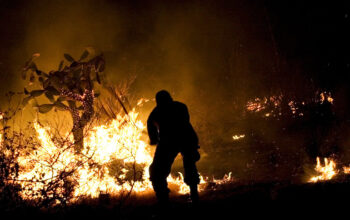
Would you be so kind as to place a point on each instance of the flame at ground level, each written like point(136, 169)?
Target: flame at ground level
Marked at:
point(327, 172)
point(114, 159)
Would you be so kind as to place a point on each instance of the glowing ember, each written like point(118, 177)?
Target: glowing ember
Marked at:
point(142, 101)
point(326, 96)
point(346, 170)
point(327, 172)
point(272, 106)
point(256, 105)
point(292, 106)
point(237, 137)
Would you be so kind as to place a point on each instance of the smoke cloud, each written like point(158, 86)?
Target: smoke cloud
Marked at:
point(211, 55)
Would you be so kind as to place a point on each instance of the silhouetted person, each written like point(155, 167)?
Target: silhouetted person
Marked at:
point(169, 127)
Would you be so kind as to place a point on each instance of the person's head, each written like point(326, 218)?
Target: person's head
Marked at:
point(163, 97)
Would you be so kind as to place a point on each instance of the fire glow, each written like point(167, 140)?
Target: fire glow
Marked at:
point(237, 137)
point(327, 172)
point(114, 160)
point(272, 106)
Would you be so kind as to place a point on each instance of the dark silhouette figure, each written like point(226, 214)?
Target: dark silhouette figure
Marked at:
point(169, 127)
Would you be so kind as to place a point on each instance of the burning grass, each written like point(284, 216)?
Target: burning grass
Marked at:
point(114, 161)
point(328, 171)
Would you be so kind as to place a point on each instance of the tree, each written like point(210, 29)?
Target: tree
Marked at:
point(73, 83)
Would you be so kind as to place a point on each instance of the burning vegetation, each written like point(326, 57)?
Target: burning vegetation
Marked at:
point(265, 82)
point(96, 157)
point(104, 153)
point(327, 171)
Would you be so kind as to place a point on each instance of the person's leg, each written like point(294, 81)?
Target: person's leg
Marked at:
point(191, 177)
point(159, 171)
point(194, 193)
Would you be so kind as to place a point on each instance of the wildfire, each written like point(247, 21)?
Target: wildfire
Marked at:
point(237, 137)
point(142, 101)
point(326, 96)
point(272, 106)
point(327, 172)
point(257, 104)
point(114, 159)
point(346, 170)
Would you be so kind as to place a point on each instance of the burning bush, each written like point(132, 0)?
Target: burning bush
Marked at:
point(12, 145)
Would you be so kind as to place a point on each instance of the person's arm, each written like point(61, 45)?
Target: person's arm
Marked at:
point(193, 134)
point(152, 130)
point(186, 114)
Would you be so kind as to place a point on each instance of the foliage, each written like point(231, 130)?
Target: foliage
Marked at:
point(70, 88)
point(12, 144)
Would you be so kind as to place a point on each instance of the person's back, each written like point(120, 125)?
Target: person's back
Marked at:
point(173, 125)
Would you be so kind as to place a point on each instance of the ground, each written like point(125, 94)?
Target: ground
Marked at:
point(231, 200)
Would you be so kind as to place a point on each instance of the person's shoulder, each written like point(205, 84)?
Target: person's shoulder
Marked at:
point(154, 112)
point(180, 106)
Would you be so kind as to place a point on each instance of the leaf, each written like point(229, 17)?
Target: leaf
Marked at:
point(97, 94)
point(34, 103)
point(60, 65)
point(84, 55)
point(68, 57)
point(76, 74)
point(52, 90)
point(46, 84)
point(81, 107)
point(36, 93)
point(55, 82)
point(84, 84)
point(45, 108)
point(100, 65)
point(38, 72)
point(74, 65)
point(61, 99)
point(49, 95)
point(32, 66)
point(45, 74)
point(31, 78)
point(98, 78)
point(72, 104)
point(26, 100)
point(61, 106)
point(91, 50)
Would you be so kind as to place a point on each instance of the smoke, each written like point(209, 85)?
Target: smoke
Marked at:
point(204, 55)
point(211, 55)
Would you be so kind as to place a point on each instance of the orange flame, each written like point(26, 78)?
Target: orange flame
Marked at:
point(327, 172)
point(93, 169)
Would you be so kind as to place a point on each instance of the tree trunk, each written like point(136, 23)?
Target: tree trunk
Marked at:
point(78, 135)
